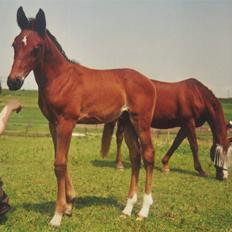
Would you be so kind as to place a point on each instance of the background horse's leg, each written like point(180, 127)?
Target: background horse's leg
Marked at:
point(62, 137)
point(194, 147)
point(181, 135)
point(131, 140)
point(119, 139)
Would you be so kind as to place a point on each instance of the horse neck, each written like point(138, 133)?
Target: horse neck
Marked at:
point(51, 65)
point(218, 126)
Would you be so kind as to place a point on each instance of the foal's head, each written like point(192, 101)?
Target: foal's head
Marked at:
point(28, 47)
point(222, 156)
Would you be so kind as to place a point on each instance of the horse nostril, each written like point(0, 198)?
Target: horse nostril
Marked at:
point(14, 84)
point(221, 174)
point(9, 83)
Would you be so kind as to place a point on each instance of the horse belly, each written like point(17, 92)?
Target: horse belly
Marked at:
point(101, 111)
point(165, 124)
point(98, 118)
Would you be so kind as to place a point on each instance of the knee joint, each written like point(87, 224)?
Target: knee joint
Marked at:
point(60, 169)
point(148, 157)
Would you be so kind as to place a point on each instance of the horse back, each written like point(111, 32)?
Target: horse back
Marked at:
point(97, 96)
point(177, 103)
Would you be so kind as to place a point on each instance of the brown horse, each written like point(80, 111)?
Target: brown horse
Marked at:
point(70, 93)
point(186, 104)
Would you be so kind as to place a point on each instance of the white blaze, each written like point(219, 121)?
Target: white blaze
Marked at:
point(24, 40)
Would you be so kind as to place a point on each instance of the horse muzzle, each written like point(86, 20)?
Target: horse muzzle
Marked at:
point(221, 173)
point(15, 84)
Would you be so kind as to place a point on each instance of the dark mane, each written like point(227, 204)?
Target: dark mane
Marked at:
point(53, 38)
point(208, 94)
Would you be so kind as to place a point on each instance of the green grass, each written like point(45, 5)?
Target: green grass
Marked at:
point(30, 120)
point(183, 201)
point(227, 106)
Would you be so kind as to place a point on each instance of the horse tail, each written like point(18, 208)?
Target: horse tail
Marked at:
point(106, 138)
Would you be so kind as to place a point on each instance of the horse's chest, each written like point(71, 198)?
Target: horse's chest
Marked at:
point(44, 108)
point(55, 106)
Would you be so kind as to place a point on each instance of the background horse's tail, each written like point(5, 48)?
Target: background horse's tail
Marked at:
point(107, 137)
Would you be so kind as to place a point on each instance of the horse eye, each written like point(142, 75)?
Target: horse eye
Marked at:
point(35, 51)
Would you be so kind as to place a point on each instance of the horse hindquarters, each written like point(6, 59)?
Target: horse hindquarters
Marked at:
point(141, 125)
point(147, 150)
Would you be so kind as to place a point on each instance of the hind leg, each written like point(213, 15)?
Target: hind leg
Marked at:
point(143, 129)
point(148, 160)
point(131, 140)
point(119, 139)
point(181, 135)
point(194, 147)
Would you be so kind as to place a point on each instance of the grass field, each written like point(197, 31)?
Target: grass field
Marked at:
point(183, 201)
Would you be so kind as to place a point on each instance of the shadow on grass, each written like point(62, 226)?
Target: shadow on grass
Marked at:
point(192, 173)
point(107, 163)
point(80, 202)
point(184, 171)
point(3, 219)
point(42, 207)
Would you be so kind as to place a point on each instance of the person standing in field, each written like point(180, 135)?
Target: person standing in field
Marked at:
point(11, 106)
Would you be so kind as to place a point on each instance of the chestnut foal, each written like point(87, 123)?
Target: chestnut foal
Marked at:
point(70, 93)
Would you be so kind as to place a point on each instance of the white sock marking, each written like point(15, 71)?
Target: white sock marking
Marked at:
point(56, 220)
point(147, 202)
point(129, 205)
point(225, 174)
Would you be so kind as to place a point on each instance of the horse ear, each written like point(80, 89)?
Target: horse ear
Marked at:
point(22, 20)
point(40, 23)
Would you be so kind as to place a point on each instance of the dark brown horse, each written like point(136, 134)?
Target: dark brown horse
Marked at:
point(186, 104)
point(70, 93)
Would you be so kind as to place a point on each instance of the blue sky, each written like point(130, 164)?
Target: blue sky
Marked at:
point(168, 40)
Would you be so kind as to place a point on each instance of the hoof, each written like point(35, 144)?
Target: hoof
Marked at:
point(120, 167)
point(165, 169)
point(203, 174)
point(124, 216)
point(139, 219)
point(56, 220)
point(68, 212)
